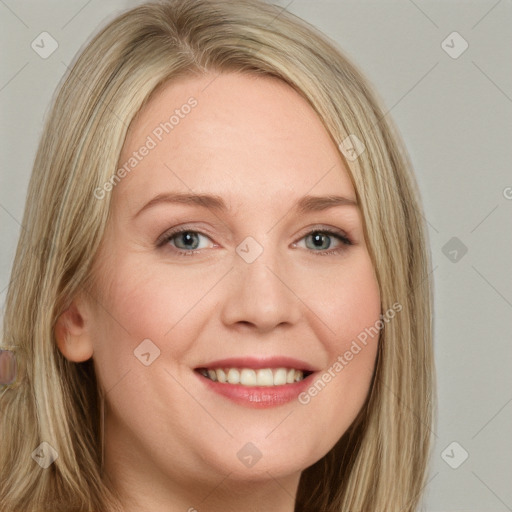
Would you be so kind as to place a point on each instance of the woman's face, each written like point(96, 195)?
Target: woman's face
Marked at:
point(248, 174)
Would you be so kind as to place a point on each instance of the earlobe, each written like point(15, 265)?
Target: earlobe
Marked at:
point(72, 334)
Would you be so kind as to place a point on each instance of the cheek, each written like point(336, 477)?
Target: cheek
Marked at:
point(345, 300)
point(137, 305)
point(355, 312)
point(146, 301)
point(149, 300)
point(358, 303)
point(351, 309)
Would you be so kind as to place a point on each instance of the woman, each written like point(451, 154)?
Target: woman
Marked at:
point(228, 305)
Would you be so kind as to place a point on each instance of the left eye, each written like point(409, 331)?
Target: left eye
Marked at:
point(323, 240)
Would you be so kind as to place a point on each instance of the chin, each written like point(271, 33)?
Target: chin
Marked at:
point(260, 460)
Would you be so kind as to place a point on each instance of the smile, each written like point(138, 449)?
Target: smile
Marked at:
point(254, 377)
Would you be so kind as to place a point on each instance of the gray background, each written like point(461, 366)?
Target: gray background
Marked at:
point(455, 116)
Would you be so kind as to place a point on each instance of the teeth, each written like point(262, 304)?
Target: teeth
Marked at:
point(250, 377)
point(265, 377)
point(233, 376)
point(280, 377)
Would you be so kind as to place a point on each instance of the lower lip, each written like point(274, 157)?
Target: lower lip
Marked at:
point(257, 396)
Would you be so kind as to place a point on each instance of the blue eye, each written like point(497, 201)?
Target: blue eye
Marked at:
point(187, 242)
point(321, 240)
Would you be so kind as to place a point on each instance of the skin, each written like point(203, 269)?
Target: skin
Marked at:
point(171, 443)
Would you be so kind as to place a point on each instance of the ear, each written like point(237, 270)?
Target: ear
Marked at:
point(72, 332)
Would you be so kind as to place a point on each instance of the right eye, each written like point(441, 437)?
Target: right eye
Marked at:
point(185, 241)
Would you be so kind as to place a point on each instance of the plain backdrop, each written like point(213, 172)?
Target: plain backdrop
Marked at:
point(453, 107)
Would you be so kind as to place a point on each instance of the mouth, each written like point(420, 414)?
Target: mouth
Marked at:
point(252, 377)
point(258, 382)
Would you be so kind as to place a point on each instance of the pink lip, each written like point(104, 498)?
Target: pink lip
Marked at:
point(256, 396)
point(259, 362)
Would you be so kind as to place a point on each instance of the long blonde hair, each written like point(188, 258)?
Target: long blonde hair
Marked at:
point(380, 463)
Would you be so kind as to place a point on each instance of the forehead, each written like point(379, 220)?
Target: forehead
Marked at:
point(240, 136)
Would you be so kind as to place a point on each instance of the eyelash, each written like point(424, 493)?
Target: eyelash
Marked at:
point(167, 237)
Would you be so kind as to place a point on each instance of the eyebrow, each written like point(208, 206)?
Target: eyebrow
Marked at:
point(214, 202)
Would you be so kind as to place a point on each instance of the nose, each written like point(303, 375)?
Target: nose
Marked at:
point(260, 294)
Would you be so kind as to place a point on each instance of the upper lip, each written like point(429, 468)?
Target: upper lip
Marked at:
point(258, 363)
